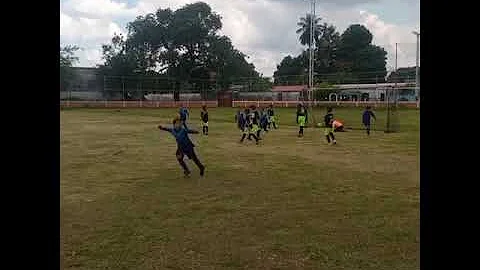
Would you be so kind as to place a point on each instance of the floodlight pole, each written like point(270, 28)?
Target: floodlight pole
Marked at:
point(311, 49)
point(417, 68)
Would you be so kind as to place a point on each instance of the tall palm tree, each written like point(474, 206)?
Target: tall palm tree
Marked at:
point(304, 29)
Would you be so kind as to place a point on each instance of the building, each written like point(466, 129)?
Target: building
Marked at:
point(86, 84)
point(375, 92)
point(289, 92)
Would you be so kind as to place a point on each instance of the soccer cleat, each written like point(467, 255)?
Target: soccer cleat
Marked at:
point(334, 142)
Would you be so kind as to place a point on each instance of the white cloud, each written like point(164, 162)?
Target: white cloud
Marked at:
point(98, 8)
point(388, 35)
point(263, 29)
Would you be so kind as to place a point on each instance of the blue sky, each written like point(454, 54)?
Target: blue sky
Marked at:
point(263, 29)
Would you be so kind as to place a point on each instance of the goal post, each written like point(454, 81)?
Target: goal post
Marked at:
point(392, 119)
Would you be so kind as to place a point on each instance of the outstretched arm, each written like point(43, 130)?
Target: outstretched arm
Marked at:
point(373, 115)
point(192, 131)
point(164, 128)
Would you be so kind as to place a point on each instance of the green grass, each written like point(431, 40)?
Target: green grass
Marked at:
point(288, 203)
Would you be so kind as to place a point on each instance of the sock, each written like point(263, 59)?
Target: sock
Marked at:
point(258, 133)
point(255, 137)
point(274, 125)
point(301, 130)
point(243, 137)
point(331, 135)
point(328, 138)
point(206, 130)
point(368, 131)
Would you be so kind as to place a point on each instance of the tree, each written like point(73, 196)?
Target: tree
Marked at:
point(305, 29)
point(356, 56)
point(67, 59)
point(119, 58)
point(347, 58)
point(325, 55)
point(182, 44)
point(292, 70)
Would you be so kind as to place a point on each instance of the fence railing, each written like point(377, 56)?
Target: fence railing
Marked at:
point(235, 103)
point(134, 104)
point(91, 90)
point(289, 103)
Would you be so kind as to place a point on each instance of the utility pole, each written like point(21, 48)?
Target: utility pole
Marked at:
point(417, 68)
point(311, 49)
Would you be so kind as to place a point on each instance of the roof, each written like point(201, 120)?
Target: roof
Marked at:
point(289, 88)
point(370, 85)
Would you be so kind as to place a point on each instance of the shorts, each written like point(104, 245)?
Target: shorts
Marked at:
point(204, 124)
point(301, 120)
point(254, 128)
point(271, 119)
point(181, 153)
point(328, 130)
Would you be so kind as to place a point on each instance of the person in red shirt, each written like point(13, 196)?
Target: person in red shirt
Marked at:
point(338, 126)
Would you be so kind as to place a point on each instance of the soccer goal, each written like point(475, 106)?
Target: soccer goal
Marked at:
point(392, 119)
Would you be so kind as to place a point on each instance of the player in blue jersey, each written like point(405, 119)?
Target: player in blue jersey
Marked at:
point(184, 114)
point(185, 147)
point(367, 117)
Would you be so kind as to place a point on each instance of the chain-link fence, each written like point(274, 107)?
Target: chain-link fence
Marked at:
point(136, 91)
point(89, 89)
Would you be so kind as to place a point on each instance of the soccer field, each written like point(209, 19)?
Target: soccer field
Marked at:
point(287, 203)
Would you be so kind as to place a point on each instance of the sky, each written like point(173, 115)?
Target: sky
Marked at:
point(262, 29)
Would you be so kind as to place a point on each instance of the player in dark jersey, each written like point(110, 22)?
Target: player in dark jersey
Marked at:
point(249, 128)
point(264, 120)
point(185, 147)
point(329, 129)
point(302, 118)
point(204, 118)
point(255, 119)
point(271, 117)
point(367, 117)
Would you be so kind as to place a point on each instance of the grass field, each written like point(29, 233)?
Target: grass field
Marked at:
point(288, 203)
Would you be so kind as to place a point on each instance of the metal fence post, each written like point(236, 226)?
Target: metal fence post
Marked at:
point(123, 92)
point(139, 85)
point(69, 94)
point(103, 92)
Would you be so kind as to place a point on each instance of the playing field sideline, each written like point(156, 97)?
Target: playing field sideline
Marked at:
point(288, 203)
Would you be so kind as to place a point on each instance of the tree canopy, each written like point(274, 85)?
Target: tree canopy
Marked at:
point(183, 45)
point(347, 58)
point(67, 59)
